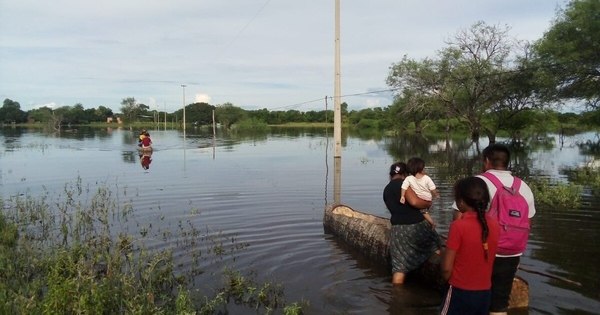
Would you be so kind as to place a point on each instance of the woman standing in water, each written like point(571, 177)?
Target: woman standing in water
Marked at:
point(412, 240)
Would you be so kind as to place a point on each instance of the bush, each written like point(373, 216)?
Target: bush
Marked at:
point(586, 176)
point(252, 124)
point(368, 123)
point(555, 194)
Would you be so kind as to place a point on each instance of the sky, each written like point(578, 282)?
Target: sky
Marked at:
point(274, 54)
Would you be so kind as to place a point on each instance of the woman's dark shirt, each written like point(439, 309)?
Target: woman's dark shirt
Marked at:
point(401, 213)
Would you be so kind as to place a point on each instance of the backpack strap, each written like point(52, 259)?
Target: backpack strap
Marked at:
point(493, 179)
point(516, 185)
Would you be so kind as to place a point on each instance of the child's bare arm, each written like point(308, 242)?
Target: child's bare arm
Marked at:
point(447, 263)
point(402, 193)
point(415, 201)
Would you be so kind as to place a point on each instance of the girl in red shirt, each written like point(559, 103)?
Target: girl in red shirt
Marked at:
point(470, 250)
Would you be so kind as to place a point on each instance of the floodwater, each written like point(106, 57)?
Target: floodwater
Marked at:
point(268, 192)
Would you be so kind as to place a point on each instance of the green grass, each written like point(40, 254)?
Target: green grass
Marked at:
point(77, 253)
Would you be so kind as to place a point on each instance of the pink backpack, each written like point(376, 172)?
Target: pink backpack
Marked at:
point(512, 211)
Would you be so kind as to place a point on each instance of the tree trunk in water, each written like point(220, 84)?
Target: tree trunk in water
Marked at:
point(475, 135)
point(371, 234)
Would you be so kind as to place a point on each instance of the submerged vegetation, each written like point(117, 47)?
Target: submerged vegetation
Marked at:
point(555, 194)
point(586, 176)
point(95, 257)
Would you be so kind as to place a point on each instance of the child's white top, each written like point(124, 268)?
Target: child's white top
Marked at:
point(421, 186)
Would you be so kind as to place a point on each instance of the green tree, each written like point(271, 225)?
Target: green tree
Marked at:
point(228, 114)
point(199, 113)
point(11, 112)
point(568, 55)
point(315, 116)
point(414, 107)
point(260, 115)
point(293, 115)
point(516, 92)
point(59, 116)
point(143, 113)
point(130, 109)
point(463, 79)
point(76, 114)
point(102, 112)
point(42, 114)
point(591, 117)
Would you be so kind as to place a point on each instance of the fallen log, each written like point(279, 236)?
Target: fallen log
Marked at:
point(370, 234)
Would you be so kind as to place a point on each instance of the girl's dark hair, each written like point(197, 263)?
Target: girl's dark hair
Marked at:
point(415, 165)
point(474, 192)
point(398, 168)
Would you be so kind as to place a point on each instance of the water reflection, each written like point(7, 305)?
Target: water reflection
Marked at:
point(145, 158)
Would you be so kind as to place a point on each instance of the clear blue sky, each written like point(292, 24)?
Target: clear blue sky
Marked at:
point(253, 53)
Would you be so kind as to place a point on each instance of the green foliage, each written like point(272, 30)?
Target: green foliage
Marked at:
point(228, 114)
point(468, 80)
point(591, 118)
point(8, 233)
point(73, 257)
point(11, 112)
point(586, 176)
point(567, 55)
point(133, 111)
point(252, 124)
point(198, 113)
point(183, 303)
point(555, 194)
point(366, 123)
point(293, 309)
point(42, 114)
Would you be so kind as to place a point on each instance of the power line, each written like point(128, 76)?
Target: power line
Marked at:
point(331, 98)
point(243, 29)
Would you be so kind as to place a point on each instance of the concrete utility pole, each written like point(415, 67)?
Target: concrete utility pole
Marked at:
point(183, 86)
point(337, 114)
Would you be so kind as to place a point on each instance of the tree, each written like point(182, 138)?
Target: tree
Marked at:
point(11, 112)
point(42, 114)
point(293, 115)
point(129, 108)
point(517, 90)
point(419, 98)
point(102, 112)
point(76, 114)
point(413, 107)
point(260, 115)
point(472, 70)
point(228, 114)
point(200, 113)
point(463, 79)
point(58, 116)
point(568, 55)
